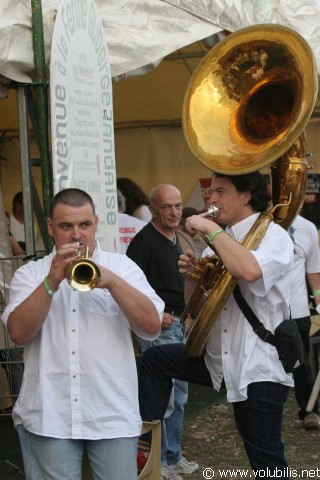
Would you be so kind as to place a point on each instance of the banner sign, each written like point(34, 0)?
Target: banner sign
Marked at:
point(82, 113)
point(200, 196)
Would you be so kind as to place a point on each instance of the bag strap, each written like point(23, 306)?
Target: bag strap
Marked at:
point(254, 321)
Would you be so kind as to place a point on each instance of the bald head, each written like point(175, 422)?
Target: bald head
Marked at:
point(163, 191)
point(166, 207)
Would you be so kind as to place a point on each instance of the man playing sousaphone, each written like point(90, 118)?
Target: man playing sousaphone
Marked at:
point(235, 357)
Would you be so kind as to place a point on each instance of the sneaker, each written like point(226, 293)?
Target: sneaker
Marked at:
point(168, 473)
point(184, 467)
point(311, 421)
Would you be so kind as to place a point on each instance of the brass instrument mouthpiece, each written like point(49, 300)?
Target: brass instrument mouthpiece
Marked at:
point(212, 211)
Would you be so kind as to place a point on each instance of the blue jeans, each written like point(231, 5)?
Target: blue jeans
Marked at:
point(258, 419)
point(172, 425)
point(47, 458)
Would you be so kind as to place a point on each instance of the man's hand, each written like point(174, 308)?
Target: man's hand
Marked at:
point(167, 320)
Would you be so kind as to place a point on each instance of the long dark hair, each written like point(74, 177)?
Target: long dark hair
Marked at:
point(134, 195)
point(254, 183)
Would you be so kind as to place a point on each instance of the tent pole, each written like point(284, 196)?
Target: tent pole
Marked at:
point(26, 173)
point(41, 87)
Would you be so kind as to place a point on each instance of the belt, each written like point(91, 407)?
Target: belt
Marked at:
point(174, 313)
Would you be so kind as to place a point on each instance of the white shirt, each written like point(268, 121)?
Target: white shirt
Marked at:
point(143, 212)
point(129, 226)
point(306, 260)
point(17, 230)
point(234, 352)
point(80, 378)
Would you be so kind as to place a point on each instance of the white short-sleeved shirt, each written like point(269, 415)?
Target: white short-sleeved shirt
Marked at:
point(80, 378)
point(17, 230)
point(306, 260)
point(129, 226)
point(234, 352)
point(143, 212)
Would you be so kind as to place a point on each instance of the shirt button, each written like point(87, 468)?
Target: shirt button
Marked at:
point(73, 353)
point(74, 376)
point(73, 309)
point(75, 400)
point(73, 329)
point(226, 353)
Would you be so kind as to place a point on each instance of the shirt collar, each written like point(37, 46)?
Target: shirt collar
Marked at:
point(239, 230)
point(173, 240)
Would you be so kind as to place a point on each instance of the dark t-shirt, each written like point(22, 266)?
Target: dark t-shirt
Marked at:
point(158, 257)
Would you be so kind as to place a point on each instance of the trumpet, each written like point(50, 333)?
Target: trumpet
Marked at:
point(83, 274)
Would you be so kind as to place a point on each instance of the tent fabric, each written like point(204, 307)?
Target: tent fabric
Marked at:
point(141, 32)
point(303, 16)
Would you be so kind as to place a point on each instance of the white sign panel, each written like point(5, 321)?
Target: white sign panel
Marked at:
point(82, 113)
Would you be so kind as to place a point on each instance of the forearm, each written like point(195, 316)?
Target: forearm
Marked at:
point(28, 317)
point(139, 309)
point(237, 259)
point(314, 282)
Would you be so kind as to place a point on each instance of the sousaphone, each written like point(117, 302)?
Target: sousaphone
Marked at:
point(246, 107)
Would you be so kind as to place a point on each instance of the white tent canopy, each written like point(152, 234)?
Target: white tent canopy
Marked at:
point(141, 32)
point(149, 141)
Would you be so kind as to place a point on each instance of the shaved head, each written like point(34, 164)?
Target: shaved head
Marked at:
point(166, 208)
point(162, 191)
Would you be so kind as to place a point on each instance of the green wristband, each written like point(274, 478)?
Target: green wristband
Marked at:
point(212, 236)
point(48, 289)
point(315, 293)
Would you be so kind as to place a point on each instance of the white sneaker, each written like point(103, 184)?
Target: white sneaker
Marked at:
point(168, 473)
point(311, 421)
point(184, 467)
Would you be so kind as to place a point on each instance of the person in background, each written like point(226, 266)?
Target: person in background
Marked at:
point(156, 250)
point(137, 202)
point(193, 240)
point(15, 247)
point(129, 226)
point(235, 357)
point(306, 267)
point(79, 390)
point(5, 398)
point(17, 224)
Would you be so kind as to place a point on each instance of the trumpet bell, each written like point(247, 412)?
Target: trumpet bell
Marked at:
point(249, 99)
point(83, 274)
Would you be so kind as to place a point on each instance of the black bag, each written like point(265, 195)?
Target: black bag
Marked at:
point(286, 337)
point(288, 343)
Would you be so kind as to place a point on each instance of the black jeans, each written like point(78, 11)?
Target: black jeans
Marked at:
point(303, 380)
point(258, 419)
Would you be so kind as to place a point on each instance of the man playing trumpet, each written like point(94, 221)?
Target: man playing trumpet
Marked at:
point(79, 389)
